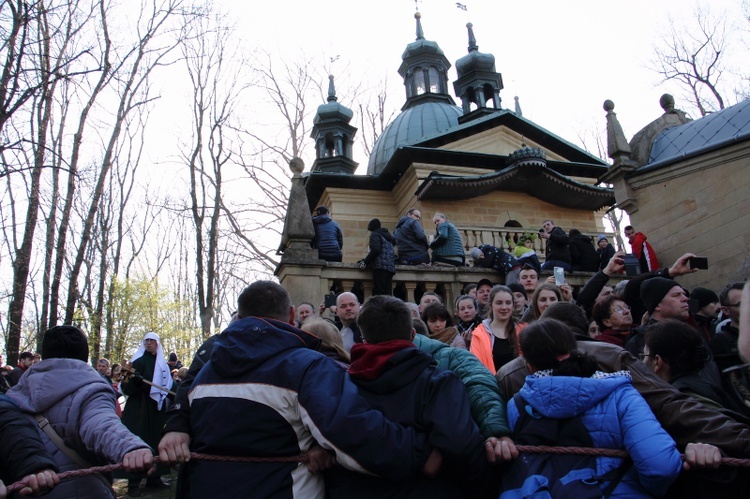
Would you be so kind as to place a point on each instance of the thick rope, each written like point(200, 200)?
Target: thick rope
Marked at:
point(303, 458)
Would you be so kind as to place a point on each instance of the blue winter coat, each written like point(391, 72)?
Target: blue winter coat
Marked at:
point(411, 239)
point(617, 417)
point(267, 392)
point(328, 239)
point(486, 402)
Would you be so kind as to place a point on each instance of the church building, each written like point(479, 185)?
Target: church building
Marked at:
point(493, 172)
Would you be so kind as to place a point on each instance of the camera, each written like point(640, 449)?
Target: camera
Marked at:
point(632, 265)
point(542, 230)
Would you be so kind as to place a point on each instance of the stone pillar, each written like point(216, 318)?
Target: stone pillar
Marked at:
point(299, 270)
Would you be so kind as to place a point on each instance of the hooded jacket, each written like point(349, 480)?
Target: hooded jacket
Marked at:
point(683, 417)
point(616, 417)
point(267, 392)
point(80, 406)
point(411, 239)
point(381, 255)
point(404, 383)
point(328, 239)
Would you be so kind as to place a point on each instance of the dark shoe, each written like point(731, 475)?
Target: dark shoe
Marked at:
point(156, 484)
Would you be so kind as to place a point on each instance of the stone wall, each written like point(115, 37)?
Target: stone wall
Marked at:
point(353, 209)
point(701, 206)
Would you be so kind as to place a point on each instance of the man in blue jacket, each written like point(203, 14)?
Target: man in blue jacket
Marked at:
point(328, 239)
point(412, 241)
point(403, 382)
point(267, 392)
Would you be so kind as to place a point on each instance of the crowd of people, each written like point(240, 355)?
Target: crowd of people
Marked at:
point(388, 398)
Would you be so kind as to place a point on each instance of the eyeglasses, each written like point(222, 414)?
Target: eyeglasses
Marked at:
point(415, 216)
point(621, 310)
point(643, 356)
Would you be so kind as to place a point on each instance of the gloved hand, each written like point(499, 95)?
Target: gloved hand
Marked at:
point(362, 265)
point(137, 380)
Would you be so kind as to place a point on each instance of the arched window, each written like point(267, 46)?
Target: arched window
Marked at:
point(434, 79)
point(419, 84)
point(330, 146)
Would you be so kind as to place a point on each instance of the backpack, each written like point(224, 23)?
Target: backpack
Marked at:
point(558, 476)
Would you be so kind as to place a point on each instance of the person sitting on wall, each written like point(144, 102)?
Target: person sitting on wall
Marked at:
point(411, 239)
point(583, 256)
point(605, 251)
point(447, 246)
point(558, 246)
point(328, 238)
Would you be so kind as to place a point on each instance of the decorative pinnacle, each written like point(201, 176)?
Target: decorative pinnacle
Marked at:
point(472, 39)
point(331, 89)
point(420, 32)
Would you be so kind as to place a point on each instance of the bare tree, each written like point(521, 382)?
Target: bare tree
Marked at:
point(212, 67)
point(152, 49)
point(698, 58)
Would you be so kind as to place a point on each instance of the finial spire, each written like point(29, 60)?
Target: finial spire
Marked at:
point(472, 39)
point(420, 32)
point(331, 89)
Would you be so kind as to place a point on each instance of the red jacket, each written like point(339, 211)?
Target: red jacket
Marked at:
point(644, 252)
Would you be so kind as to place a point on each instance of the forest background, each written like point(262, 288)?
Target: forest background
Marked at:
point(144, 145)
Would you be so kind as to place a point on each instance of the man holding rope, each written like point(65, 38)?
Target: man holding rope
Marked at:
point(74, 409)
point(267, 392)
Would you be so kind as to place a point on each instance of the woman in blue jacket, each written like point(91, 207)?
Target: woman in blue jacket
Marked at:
point(565, 383)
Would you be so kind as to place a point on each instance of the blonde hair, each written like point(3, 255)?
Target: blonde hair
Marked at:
point(329, 336)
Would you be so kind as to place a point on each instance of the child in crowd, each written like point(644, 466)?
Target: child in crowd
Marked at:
point(440, 324)
point(466, 313)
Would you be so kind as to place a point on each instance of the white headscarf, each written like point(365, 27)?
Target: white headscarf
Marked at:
point(162, 373)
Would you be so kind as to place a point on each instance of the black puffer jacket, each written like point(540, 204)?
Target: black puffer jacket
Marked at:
point(381, 255)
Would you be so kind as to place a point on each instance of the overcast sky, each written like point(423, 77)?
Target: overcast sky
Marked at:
point(562, 58)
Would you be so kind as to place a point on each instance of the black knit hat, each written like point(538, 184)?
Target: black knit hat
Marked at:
point(321, 210)
point(374, 224)
point(704, 296)
point(65, 342)
point(518, 288)
point(654, 290)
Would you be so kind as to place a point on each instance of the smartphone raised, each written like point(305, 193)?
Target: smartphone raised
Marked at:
point(559, 276)
point(698, 262)
point(330, 301)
